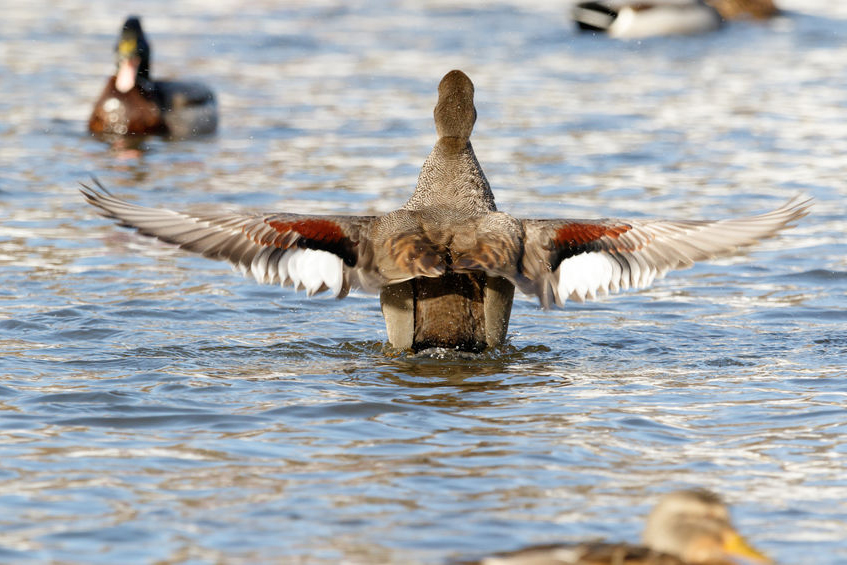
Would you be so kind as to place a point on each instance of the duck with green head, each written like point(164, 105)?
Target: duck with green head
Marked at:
point(133, 104)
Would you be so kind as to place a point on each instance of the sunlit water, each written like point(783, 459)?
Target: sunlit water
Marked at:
point(156, 407)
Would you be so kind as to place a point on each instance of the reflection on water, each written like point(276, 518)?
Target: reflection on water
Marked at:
point(155, 406)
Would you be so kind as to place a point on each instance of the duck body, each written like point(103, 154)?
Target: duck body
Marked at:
point(647, 19)
point(135, 112)
point(132, 104)
point(446, 264)
point(451, 212)
point(584, 554)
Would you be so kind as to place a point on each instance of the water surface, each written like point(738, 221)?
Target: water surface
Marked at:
point(156, 407)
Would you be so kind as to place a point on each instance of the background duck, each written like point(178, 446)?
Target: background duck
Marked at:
point(446, 263)
point(688, 527)
point(635, 20)
point(134, 104)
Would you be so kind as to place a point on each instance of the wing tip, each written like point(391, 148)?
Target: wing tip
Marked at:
point(90, 192)
point(799, 207)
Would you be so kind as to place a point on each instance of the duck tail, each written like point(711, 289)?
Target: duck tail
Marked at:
point(593, 16)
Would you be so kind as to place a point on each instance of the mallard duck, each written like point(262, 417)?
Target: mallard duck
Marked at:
point(636, 20)
point(690, 527)
point(447, 262)
point(134, 104)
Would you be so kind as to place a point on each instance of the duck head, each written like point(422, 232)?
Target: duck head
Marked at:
point(455, 113)
point(132, 54)
point(695, 526)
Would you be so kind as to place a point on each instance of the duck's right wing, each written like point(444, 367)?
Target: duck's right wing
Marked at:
point(314, 253)
point(579, 259)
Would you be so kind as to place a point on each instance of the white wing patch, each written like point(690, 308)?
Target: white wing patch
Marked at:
point(583, 277)
point(305, 269)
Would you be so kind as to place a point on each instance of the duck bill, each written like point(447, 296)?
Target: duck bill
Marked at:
point(127, 73)
point(737, 547)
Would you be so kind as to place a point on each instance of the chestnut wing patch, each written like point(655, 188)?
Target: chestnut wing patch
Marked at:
point(573, 238)
point(310, 233)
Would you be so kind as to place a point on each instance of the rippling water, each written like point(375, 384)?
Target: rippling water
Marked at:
point(155, 407)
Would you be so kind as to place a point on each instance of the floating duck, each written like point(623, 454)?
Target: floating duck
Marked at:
point(447, 262)
point(134, 104)
point(637, 20)
point(690, 527)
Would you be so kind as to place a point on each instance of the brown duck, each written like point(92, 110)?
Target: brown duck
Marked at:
point(134, 104)
point(446, 264)
point(690, 527)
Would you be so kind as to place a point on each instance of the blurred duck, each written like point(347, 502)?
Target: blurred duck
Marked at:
point(690, 527)
point(447, 262)
point(134, 104)
point(636, 20)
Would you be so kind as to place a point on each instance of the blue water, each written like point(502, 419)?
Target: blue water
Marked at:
point(157, 407)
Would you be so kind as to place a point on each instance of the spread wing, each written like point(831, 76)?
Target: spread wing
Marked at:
point(578, 259)
point(315, 253)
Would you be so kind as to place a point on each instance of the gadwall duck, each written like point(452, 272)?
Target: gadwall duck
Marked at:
point(690, 527)
point(446, 264)
point(637, 20)
point(134, 104)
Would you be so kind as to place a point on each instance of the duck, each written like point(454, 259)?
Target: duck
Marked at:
point(447, 262)
point(686, 527)
point(638, 20)
point(132, 104)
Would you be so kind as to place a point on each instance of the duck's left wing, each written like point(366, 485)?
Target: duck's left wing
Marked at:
point(578, 259)
point(315, 253)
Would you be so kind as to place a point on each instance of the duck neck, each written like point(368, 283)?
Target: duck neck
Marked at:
point(451, 176)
